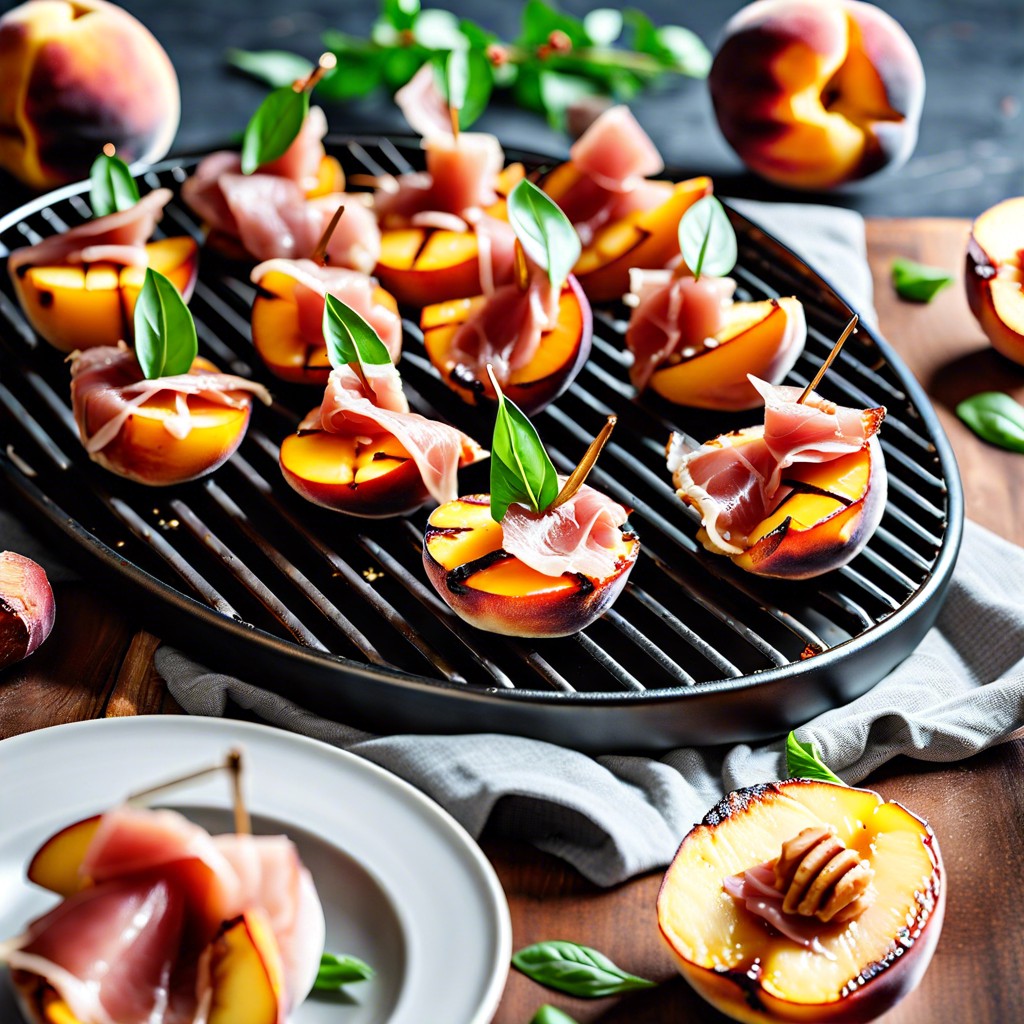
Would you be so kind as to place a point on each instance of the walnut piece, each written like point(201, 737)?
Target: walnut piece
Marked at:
point(819, 877)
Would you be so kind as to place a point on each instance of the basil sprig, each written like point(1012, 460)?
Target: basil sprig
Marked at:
point(575, 969)
point(707, 240)
point(548, 1014)
point(274, 127)
point(544, 232)
point(804, 762)
point(918, 282)
point(165, 333)
point(465, 80)
point(336, 971)
point(995, 418)
point(350, 339)
point(111, 186)
point(521, 470)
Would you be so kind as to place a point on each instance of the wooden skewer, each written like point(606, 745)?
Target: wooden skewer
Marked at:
point(586, 464)
point(850, 328)
point(522, 268)
point(320, 252)
point(243, 824)
point(109, 149)
point(453, 113)
point(327, 62)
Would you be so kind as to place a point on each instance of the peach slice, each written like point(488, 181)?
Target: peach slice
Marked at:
point(278, 336)
point(56, 864)
point(330, 178)
point(994, 275)
point(80, 306)
point(648, 239)
point(748, 971)
point(495, 591)
point(424, 265)
point(560, 357)
point(246, 973)
point(760, 338)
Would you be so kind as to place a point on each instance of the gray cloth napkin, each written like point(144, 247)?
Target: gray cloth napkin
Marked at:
point(615, 816)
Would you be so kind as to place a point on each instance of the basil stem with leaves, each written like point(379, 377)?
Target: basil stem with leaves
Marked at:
point(576, 970)
point(804, 762)
point(995, 417)
point(336, 971)
point(707, 239)
point(544, 232)
point(351, 341)
point(111, 185)
point(274, 127)
point(165, 334)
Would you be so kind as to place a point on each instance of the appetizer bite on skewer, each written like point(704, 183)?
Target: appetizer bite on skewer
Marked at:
point(804, 900)
point(690, 342)
point(541, 555)
point(78, 288)
point(534, 333)
point(794, 497)
point(159, 920)
point(362, 451)
point(276, 198)
point(160, 414)
point(623, 219)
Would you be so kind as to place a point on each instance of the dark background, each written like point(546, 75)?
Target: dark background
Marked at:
point(970, 153)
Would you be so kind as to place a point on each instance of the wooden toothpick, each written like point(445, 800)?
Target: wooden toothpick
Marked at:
point(319, 255)
point(850, 328)
point(579, 475)
point(327, 62)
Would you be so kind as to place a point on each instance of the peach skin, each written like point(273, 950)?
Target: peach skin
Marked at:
point(814, 94)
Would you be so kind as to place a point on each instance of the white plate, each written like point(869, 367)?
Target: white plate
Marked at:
point(404, 887)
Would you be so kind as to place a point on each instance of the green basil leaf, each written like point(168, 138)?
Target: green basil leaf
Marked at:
point(350, 339)
point(336, 971)
point(456, 76)
point(559, 91)
point(544, 232)
point(706, 238)
point(804, 762)
point(478, 37)
point(165, 333)
point(439, 30)
point(357, 73)
point(465, 79)
point(521, 470)
point(995, 418)
point(275, 68)
point(918, 282)
point(684, 51)
point(548, 1014)
point(112, 187)
point(401, 14)
point(401, 64)
point(576, 970)
point(540, 19)
point(603, 25)
point(273, 127)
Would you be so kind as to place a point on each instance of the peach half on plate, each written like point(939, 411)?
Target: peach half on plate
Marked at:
point(78, 306)
point(860, 968)
point(495, 591)
point(421, 265)
point(648, 238)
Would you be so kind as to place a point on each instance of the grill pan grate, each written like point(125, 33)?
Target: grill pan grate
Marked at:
point(338, 613)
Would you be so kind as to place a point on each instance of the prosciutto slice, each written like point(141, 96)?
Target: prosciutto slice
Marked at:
point(116, 238)
point(437, 448)
point(734, 487)
point(577, 536)
point(314, 282)
point(300, 162)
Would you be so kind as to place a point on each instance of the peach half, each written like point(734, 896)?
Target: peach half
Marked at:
point(811, 95)
point(421, 265)
point(747, 970)
point(648, 238)
point(994, 275)
point(563, 350)
point(78, 306)
point(495, 591)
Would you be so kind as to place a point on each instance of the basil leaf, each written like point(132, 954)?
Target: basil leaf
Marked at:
point(521, 470)
point(603, 25)
point(916, 281)
point(559, 91)
point(995, 418)
point(401, 14)
point(456, 76)
point(273, 127)
point(275, 68)
point(804, 762)
point(350, 339)
point(112, 187)
point(336, 971)
point(706, 238)
point(165, 334)
point(466, 80)
point(576, 970)
point(543, 231)
point(478, 37)
point(438, 30)
point(548, 1014)
point(677, 48)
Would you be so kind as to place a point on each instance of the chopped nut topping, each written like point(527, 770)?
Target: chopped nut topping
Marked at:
point(819, 877)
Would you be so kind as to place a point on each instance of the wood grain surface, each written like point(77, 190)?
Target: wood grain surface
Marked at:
point(98, 662)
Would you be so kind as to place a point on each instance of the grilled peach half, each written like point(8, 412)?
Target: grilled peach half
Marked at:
point(748, 971)
point(77, 306)
point(648, 238)
point(495, 591)
point(278, 336)
point(421, 265)
point(562, 352)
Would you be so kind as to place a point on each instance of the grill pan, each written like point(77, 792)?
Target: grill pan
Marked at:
point(336, 613)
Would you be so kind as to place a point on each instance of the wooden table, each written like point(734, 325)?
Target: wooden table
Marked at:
point(99, 663)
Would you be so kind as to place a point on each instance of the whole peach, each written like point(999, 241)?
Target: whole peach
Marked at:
point(814, 93)
point(74, 75)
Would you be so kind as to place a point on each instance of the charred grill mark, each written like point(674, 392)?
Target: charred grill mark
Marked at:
point(463, 377)
point(23, 270)
point(447, 531)
point(46, 299)
point(799, 487)
point(265, 293)
point(457, 578)
point(385, 457)
point(738, 802)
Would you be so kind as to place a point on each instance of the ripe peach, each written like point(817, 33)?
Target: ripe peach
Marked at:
point(813, 94)
point(75, 74)
point(26, 607)
point(246, 973)
point(56, 865)
point(994, 276)
point(753, 974)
